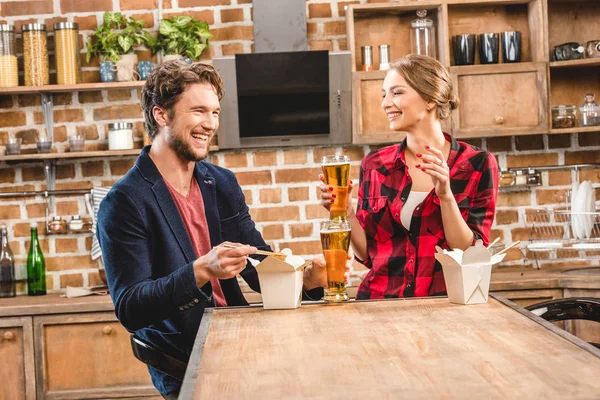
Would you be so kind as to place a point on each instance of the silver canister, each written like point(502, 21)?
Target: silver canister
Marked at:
point(366, 53)
point(384, 57)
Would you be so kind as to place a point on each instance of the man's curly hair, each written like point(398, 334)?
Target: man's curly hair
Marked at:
point(168, 81)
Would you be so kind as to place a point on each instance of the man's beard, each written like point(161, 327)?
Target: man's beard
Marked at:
point(183, 149)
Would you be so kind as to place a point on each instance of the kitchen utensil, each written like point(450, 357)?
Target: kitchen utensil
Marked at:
point(44, 144)
point(422, 35)
point(508, 248)
point(260, 252)
point(76, 142)
point(511, 46)
point(494, 242)
point(13, 146)
point(489, 48)
point(463, 47)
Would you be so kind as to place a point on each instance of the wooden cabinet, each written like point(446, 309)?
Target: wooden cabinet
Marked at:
point(16, 359)
point(58, 348)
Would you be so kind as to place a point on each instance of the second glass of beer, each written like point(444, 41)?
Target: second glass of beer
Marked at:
point(335, 239)
point(336, 173)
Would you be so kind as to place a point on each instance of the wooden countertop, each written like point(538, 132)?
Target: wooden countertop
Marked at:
point(414, 348)
point(53, 304)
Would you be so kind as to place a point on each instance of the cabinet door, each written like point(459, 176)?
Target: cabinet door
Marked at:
point(87, 356)
point(17, 374)
point(500, 100)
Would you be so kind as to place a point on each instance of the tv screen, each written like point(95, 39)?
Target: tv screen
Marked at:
point(284, 93)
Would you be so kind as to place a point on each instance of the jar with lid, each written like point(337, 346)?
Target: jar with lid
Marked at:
point(66, 41)
point(75, 224)
point(564, 116)
point(57, 225)
point(120, 136)
point(35, 55)
point(9, 73)
point(384, 57)
point(422, 35)
point(507, 178)
point(589, 112)
point(520, 177)
point(366, 53)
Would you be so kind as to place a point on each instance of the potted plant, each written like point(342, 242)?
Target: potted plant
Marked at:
point(181, 37)
point(114, 42)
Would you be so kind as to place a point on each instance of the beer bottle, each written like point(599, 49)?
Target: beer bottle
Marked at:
point(8, 284)
point(36, 267)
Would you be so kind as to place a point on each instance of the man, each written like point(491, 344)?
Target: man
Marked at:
point(159, 225)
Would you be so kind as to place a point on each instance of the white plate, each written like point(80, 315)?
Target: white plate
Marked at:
point(572, 207)
point(590, 207)
point(544, 245)
point(579, 208)
point(586, 246)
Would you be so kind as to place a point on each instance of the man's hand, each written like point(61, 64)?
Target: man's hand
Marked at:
point(222, 262)
point(315, 275)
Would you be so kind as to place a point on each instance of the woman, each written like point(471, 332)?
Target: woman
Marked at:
point(428, 190)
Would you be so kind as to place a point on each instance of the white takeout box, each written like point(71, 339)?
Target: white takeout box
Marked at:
point(467, 274)
point(280, 283)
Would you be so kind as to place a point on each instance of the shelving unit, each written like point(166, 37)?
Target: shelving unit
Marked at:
point(80, 87)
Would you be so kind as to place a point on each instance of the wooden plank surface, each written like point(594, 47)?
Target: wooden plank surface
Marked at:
point(417, 349)
point(53, 304)
point(71, 88)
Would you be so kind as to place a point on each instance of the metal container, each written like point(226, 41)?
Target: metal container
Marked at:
point(384, 57)
point(366, 53)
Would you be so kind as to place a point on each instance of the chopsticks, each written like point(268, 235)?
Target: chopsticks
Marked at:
point(260, 252)
point(494, 242)
point(508, 248)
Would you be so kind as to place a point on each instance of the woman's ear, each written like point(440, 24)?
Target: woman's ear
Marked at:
point(160, 115)
point(430, 106)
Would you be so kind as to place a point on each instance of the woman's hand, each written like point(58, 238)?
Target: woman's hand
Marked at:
point(434, 164)
point(315, 275)
point(328, 197)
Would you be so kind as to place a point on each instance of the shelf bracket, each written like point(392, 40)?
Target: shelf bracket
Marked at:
point(47, 106)
point(50, 172)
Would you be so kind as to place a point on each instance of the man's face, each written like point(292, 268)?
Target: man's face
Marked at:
point(194, 122)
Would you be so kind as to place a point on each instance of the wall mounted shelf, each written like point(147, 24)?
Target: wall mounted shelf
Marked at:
point(80, 87)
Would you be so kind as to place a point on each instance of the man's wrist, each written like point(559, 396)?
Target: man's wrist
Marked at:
point(200, 272)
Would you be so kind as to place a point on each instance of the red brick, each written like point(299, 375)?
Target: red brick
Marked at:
point(254, 178)
point(334, 28)
point(78, 6)
point(13, 118)
point(29, 7)
point(248, 196)
point(121, 166)
point(23, 229)
point(36, 210)
point(529, 142)
point(319, 10)
point(138, 5)
point(312, 29)
point(302, 248)
point(504, 217)
point(66, 208)
point(113, 113)
point(232, 15)
point(316, 211)
point(237, 32)
point(6, 101)
point(90, 76)
point(92, 168)
point(68, 115)
point(88, 23)
point(343, 46)
point(38, 117)
point(119, 95)
point(90, 97)
point(587, 139)
point(206, 15)
point(203, 3)
point(354, 153)
point(62, 99)
point(148, 19)
point(550, 196)
point(7, 175)
point(559, 178)
point(301, 230)
point(498, 144)
point(582, 157)
point(30, 100)
point(297, 175)
point(342, 5)
point(89, 132)
point(60, 134)
point(320, 45)
point(286, 213)
point(273, 232)
point(33, 174)
point(270, 195)
point(54, 20)
point(232, 49)
point(75, 280)
point(10, 212)
point(529, 160)
point(235, 160)
point(265, 159)
point(589, 175)
point(43, 242)
point(65, 171)
point(94, 279)
point(298, 194)
point(66, 245)
point(294, 157)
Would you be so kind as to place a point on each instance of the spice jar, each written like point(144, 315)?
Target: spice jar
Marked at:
point(35, 55)
point(520, 177)
point(564, 116)
point(66, 38)
point(120, 136)
point(589, 112)
point(366, 53)
point(507, 178)
point(384, 57)
point(9, 73)
point(75, 224)
point(57, 225)
point(422, 35)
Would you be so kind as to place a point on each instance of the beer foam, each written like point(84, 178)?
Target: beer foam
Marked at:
point(337, 163)
point(336, 230)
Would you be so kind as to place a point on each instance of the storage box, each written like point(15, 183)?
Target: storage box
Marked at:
point(467, 274)
point(281, 282)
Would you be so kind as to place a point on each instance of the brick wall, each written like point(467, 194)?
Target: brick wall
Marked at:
point(280, 184)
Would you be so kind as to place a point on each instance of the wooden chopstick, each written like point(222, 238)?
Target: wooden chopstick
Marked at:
point(261, 252)
point(508, 248)
point(494, 242)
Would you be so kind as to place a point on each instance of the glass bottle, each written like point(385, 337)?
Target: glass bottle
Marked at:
point(422, 35)
point(8, 284)
point(36, 267)
point(35, 55)
point(589, 112)
point(66, 41)
point(9, 73)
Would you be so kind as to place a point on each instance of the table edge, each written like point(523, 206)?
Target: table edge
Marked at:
point(548, 325)
point(193, 367)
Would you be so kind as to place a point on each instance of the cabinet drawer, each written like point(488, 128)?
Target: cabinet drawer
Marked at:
point(17, 375)
point(500, 100)
point(87, 355)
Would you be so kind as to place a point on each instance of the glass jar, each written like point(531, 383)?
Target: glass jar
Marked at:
point(507, 178)
point(589, 112)
point(66, 38)
point(35, 55)
point(120, 136)
point(520, 177)
point(422, 35)
point(9, 73)
point(75, 224)
point(564, 116)
point(57, 225)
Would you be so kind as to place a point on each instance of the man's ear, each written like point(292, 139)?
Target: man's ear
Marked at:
point(161, 116)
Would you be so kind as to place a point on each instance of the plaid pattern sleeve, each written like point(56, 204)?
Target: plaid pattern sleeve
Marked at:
point(402, 261)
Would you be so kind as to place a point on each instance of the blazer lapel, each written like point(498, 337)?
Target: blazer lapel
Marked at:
point(208, 189)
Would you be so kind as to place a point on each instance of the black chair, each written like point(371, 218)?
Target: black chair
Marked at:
point(152, 356)
point(587, 308)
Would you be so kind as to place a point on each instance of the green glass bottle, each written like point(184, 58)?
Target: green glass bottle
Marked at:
point(36, 267)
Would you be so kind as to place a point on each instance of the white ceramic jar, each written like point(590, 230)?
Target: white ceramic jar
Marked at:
point(120, 136)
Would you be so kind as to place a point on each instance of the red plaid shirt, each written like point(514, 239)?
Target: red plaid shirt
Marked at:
point(401, 261)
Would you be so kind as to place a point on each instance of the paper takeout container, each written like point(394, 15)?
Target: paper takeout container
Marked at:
point(280, 284)
point(467, 274)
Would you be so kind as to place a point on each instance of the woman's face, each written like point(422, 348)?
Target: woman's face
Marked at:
point(404, 107)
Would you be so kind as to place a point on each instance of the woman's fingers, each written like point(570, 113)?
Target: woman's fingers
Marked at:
point(437, 153)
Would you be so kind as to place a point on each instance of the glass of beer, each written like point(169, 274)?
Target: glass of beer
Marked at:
point(335, 240)
point(336, 173)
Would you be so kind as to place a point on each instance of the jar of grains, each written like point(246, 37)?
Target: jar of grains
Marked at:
point(66, 41)
point(9, 74)
point(35, 55)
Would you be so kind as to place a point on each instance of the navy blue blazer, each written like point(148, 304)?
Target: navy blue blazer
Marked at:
point(148, 255)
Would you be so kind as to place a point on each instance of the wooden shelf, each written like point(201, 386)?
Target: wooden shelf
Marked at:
point(78, 154)
point(71, 88)
point(586, 62)
point(478, 69)
point(577, 129)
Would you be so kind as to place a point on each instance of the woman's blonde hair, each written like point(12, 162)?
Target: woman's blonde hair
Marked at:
point(430, 79)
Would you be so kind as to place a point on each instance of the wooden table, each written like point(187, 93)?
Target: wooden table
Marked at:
point(414, 349)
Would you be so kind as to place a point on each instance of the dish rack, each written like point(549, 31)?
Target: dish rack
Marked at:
point(561, 231)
